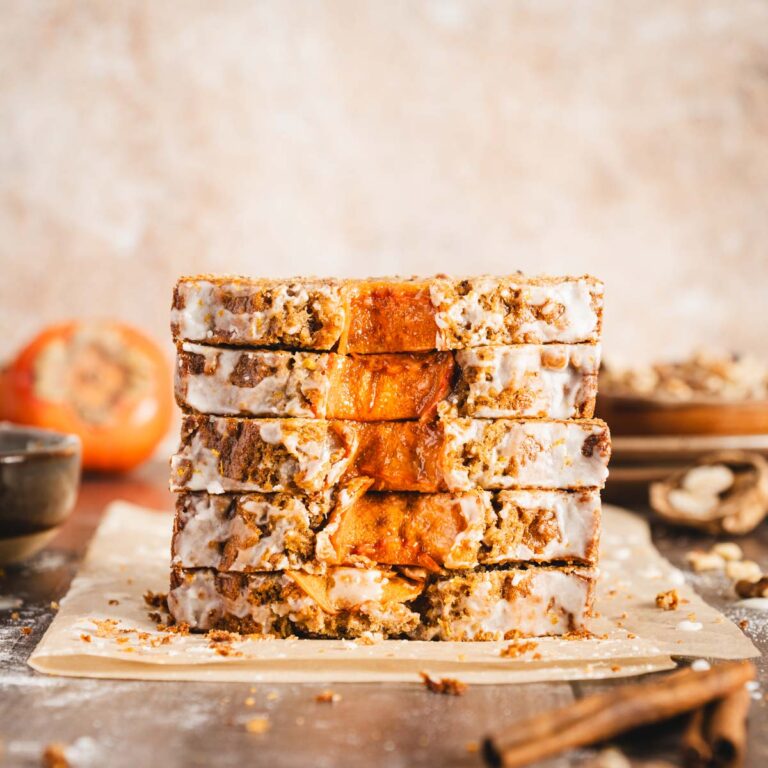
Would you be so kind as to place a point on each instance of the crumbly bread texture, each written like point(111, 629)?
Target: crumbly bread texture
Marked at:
point(346, 602)
point(387, 315)
point(220, 454)
point(549, 380)
point(270, 532)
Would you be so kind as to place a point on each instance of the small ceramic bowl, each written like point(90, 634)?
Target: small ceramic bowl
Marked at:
point(39, 479)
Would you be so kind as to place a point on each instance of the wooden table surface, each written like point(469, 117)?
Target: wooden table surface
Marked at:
point(133, 723)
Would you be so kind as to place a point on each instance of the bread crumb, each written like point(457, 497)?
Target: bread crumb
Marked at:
point(55, 757)
point(250, 701)
point(448, 686)
point(328, 697)
point(668, 601)
point(257, 725)
point(26, 630)
point(15, 616)
point(271, 696)
point(54, 605)
point(513, 650)
point(85, 638)
point(472, 747)
point(117, 602)
point(156, 599)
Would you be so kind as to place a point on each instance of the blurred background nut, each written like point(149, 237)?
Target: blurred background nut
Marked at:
point(705, 561)
point(743, 570)
point(725, 492)
point(728, 550)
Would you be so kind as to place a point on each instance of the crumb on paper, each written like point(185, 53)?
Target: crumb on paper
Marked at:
point(114, 602)
point(220, 640)
point(107, 628)
point(472, 746)
point(328, 697)
point(250, 701)
point(257, 725)
point(54, 756)
point(156, 600)
point(743, 625)
point(226, 651)
point(615, 668)
point(178, 629)
point(518, 648)
point(668, 601)
point(86, 638)
point(448, 686)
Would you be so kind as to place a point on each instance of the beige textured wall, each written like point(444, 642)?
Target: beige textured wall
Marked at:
point(141, 140)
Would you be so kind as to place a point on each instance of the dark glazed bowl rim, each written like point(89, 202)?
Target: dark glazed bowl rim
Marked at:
point(43, 443)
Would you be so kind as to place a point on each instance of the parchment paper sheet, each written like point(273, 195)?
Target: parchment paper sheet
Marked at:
point(130, 554)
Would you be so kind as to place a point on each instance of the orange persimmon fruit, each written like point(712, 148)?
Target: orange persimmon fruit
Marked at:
point(104, 381)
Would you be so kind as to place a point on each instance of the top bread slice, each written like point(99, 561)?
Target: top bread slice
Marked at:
point(387, 315)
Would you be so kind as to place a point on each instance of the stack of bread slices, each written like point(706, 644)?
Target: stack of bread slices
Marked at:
point(410, 458)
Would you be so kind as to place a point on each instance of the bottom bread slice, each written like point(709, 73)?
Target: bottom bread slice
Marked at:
point(488, 604)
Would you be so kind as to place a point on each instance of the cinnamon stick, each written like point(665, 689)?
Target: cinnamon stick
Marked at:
point(728, 729)
point(604, 715)
point(697, 751)
point(716, 735)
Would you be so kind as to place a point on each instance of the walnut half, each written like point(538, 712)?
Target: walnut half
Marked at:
point(725, 492)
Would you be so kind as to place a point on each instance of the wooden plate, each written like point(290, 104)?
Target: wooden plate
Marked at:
point(680, 449)
point(651, 416)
